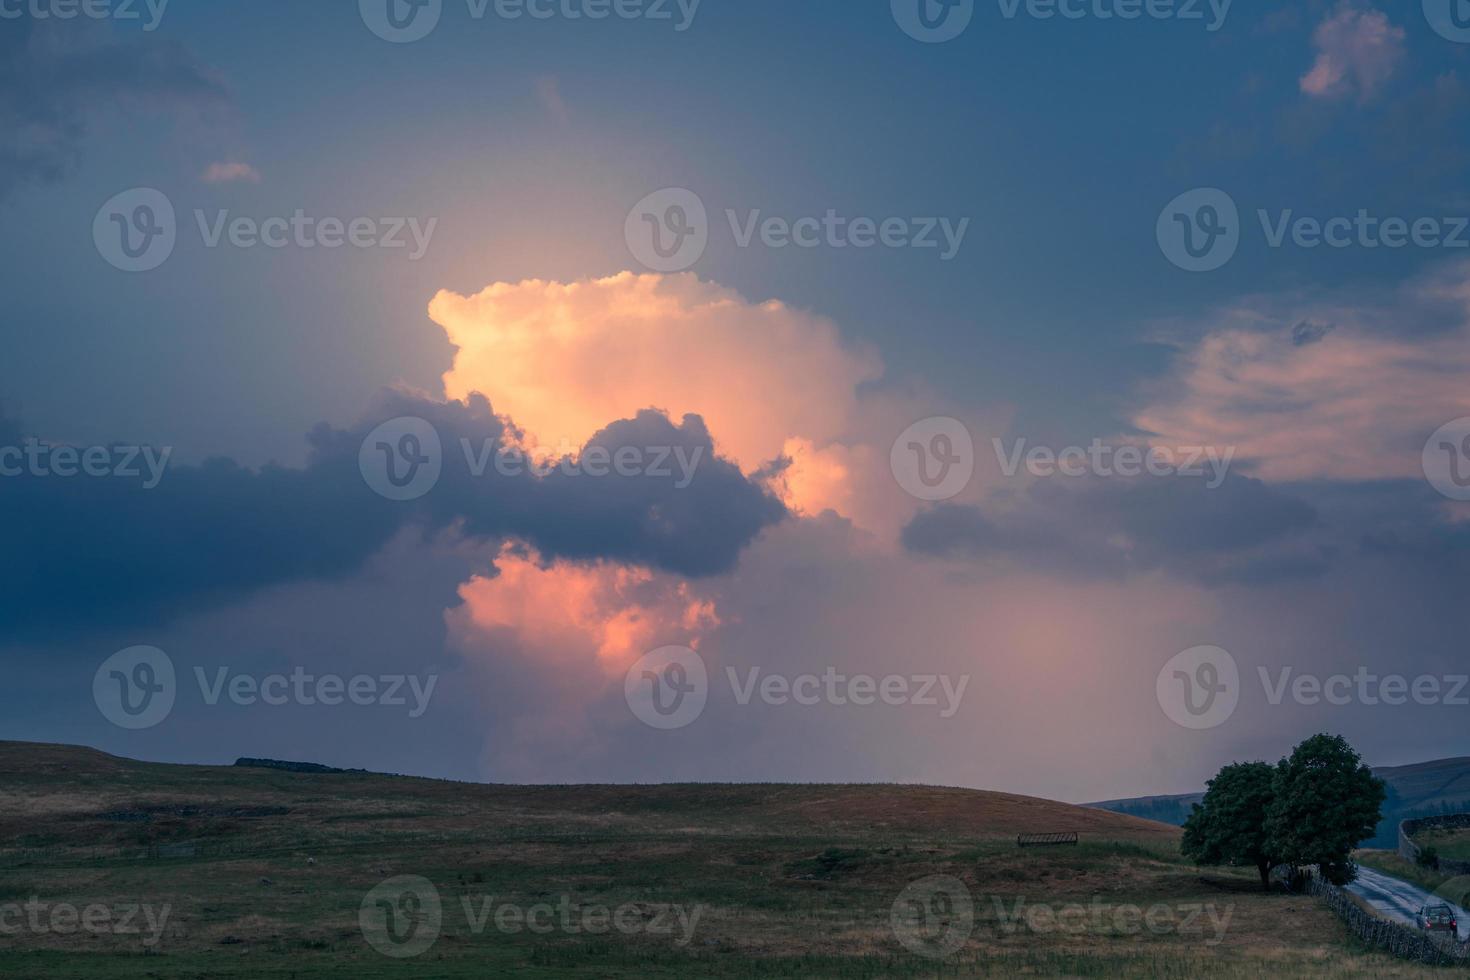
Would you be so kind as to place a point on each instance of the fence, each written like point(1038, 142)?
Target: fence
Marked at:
point(1045, 840)
point(1402, 941)
point(1410, 851)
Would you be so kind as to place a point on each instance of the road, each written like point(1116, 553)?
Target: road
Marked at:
point(1398, 899)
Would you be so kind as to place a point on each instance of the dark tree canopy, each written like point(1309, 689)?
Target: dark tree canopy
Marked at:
point(1310, 809)
point(1229, 825)
point(1325, 802)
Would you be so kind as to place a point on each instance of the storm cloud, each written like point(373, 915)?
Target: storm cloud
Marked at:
point(84, 551)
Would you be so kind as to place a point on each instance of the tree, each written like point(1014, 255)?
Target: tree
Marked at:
point(1324, 802)
point(1229, 825)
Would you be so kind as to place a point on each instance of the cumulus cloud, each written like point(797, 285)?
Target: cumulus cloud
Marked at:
point(58, 80)
point(564, 357)
point(1357, 51)
point(563, 636)
point(782, 393)
point(1353, 402)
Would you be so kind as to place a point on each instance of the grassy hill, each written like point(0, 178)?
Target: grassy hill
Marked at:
point(1424, 789)
point(264, 873)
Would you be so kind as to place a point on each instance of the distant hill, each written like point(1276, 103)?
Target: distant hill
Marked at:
point(1421, 790)
point(92, 785)
point(290, 766)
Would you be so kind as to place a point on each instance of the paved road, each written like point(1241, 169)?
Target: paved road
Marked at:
point(1398, 899)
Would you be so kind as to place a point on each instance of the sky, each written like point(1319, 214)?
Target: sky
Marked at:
point(1064, 398)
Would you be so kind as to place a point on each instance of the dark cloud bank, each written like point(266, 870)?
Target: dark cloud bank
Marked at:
point(80, 552)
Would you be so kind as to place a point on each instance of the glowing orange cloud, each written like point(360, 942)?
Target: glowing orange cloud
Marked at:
point(565, 359)
point(577, 616)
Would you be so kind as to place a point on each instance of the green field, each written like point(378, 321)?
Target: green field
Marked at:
point(1453, 844)
point(264, 873)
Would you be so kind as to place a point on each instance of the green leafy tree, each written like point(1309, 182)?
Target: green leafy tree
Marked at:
point(1324, 802)
point(1229, 825)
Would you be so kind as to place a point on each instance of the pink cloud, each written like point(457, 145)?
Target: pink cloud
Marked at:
point(1301, 402)
point(1357, 51)
point(225, 173)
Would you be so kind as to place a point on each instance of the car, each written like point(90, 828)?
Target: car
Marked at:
point(1437, 918)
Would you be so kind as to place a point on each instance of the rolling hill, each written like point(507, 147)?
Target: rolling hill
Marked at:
point(1420, 790)
point(268, 872)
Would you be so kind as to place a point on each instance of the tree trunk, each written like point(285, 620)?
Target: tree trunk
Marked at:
point(1264, 867)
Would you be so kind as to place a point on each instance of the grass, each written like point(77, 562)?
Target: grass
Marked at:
point(770, 881)
point(1453, 844)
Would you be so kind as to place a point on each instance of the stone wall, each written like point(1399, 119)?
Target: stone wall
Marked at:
point(1409, 851)
point(1402, 941)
